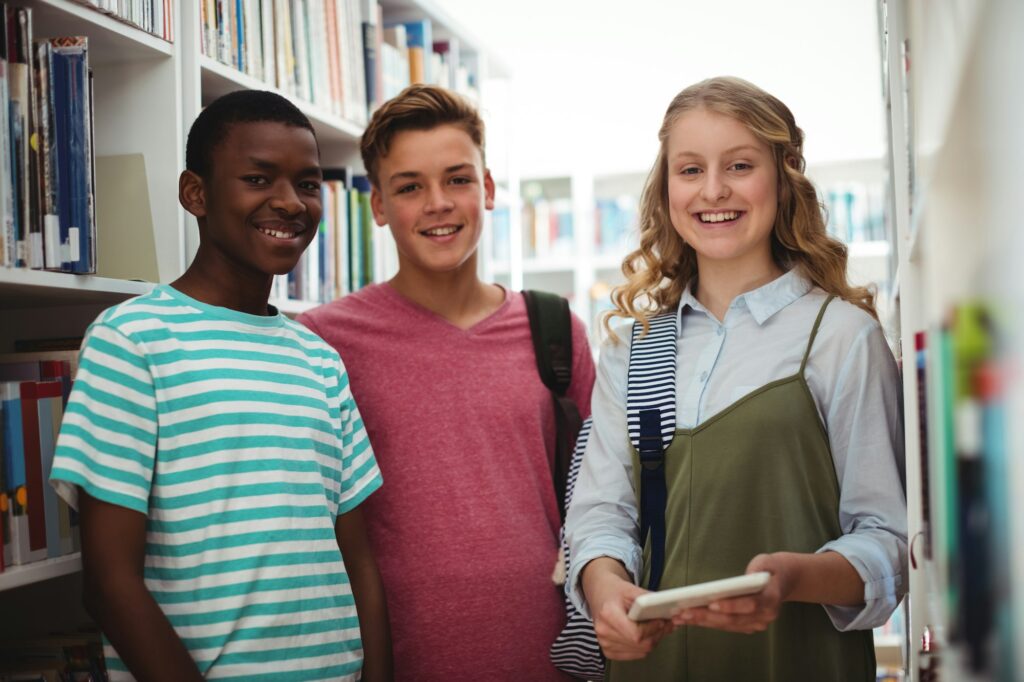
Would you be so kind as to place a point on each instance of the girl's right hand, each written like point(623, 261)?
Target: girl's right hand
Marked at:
point(610, 594)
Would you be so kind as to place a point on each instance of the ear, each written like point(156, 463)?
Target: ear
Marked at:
point(792, 162)
point(192, 194)
point(377, 206)
point(488, 190)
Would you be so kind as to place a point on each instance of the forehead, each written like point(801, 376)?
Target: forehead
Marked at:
point(708, 133)
point(424, 151)
point(268, 140)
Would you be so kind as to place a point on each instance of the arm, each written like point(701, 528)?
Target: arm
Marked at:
point(113, 550)
point(368, 591)
point(602, 523)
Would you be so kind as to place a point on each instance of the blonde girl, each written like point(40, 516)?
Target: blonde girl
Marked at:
point(787, 455)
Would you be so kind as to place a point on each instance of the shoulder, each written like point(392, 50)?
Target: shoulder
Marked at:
point(139, 314)
point(846, 332)
point(350, 306)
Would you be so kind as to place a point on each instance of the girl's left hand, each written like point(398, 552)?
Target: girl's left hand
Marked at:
point(748, 614)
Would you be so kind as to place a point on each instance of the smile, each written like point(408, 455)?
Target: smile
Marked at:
point(282, 231)
point(441, 231)
point(718, 216)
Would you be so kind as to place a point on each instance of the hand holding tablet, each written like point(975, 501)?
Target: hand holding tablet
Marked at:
point(664, 603)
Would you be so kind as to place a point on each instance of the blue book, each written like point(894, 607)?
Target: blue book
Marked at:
point(70, 99)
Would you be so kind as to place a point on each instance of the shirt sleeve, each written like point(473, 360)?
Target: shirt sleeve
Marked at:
point(359, 473)
point(865, 426)
point(107, 440)
point(603, 518)
point(583, 370)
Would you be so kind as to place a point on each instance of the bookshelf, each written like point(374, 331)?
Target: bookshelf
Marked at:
point(590, 225)
point(953, 136)
point(147, 92)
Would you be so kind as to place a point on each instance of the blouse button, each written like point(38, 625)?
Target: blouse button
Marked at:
point(704, 376)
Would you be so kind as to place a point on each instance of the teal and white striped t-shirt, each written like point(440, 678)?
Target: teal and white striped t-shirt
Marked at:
point(237, 436)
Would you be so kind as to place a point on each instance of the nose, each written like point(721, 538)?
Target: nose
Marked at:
point(716, 186)
point(286, 200)
point(438, 200)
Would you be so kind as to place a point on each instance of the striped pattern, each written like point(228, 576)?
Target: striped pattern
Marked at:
point(652, 376)
point(576, 650)
point(238, 437)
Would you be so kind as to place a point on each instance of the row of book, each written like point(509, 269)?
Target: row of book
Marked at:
point(321, 51)
point(47, 190)
point(615, 224)
point(547, 227)
point(963, 371)
point(409, 54)
point(152, 16)
point(337, 54)
point(37, 524)
point(69, 657)
point(856, 211)
point(340, 259)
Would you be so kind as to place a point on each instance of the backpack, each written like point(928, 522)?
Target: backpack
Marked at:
point(650, 415)
point(576, 650)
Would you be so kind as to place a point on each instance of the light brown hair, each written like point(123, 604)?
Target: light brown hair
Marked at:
point(664, 266)
point(418, 107)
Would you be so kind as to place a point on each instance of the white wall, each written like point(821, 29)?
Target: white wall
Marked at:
point(592, 78)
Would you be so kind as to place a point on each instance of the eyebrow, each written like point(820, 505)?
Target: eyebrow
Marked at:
point(402, 175)
point(731, 150)
point(263, 164)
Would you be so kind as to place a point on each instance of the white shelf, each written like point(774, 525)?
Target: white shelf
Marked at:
point(18, 576)
point(25, 288)
point(219, 79)
point(110, 40)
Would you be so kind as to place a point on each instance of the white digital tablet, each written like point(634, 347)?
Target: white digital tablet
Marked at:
point(661, 604)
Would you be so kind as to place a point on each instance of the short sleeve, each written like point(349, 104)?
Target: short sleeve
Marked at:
point(359, 473)
point(107, 441)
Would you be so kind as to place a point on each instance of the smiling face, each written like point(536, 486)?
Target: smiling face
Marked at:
point(259, 206)
point(432, 193)
point(722, 189)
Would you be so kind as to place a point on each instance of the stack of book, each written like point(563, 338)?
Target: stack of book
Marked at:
point(47, 200)
point(409, 54)
point(152, 16)
point(320, 51)
point(547, 227)
point(37, 524)
point(340, 259)
point(615, 221)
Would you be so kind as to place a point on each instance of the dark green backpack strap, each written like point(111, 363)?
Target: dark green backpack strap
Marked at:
point(551, 331)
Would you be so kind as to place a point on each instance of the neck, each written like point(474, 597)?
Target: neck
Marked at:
point(459, 296)
point(720, 282)
point(216, 281)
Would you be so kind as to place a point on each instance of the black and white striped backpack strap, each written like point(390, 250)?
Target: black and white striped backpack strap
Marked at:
point(576, 650)
point(651, 419)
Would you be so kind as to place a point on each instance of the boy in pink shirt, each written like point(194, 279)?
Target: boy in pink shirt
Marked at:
point(442, 367)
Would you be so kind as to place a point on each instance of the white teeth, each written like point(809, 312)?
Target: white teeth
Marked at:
point(719, 217)
point(279, 234)
point(441, 231)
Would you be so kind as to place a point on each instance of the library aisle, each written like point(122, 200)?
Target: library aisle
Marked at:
point(96, 99)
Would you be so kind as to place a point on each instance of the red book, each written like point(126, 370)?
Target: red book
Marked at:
point(31, 392)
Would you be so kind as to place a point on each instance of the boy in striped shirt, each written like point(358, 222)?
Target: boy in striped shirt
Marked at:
point(213, 448)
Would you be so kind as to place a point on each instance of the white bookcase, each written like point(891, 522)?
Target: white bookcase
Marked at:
point(147, 93)
point(955, 139)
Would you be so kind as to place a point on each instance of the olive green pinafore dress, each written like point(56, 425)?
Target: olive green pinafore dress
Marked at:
point(757, 477)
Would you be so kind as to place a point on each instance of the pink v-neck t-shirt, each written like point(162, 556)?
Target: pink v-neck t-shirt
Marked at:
point(465, 528)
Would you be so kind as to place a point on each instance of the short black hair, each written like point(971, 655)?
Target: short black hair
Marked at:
point(242, 106)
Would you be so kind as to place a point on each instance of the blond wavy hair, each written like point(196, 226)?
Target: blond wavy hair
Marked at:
point(660, 271)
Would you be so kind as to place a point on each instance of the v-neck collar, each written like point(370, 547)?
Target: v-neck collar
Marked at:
point(440, 320)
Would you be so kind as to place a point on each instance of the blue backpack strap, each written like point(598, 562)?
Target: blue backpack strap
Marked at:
point(651, 417)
